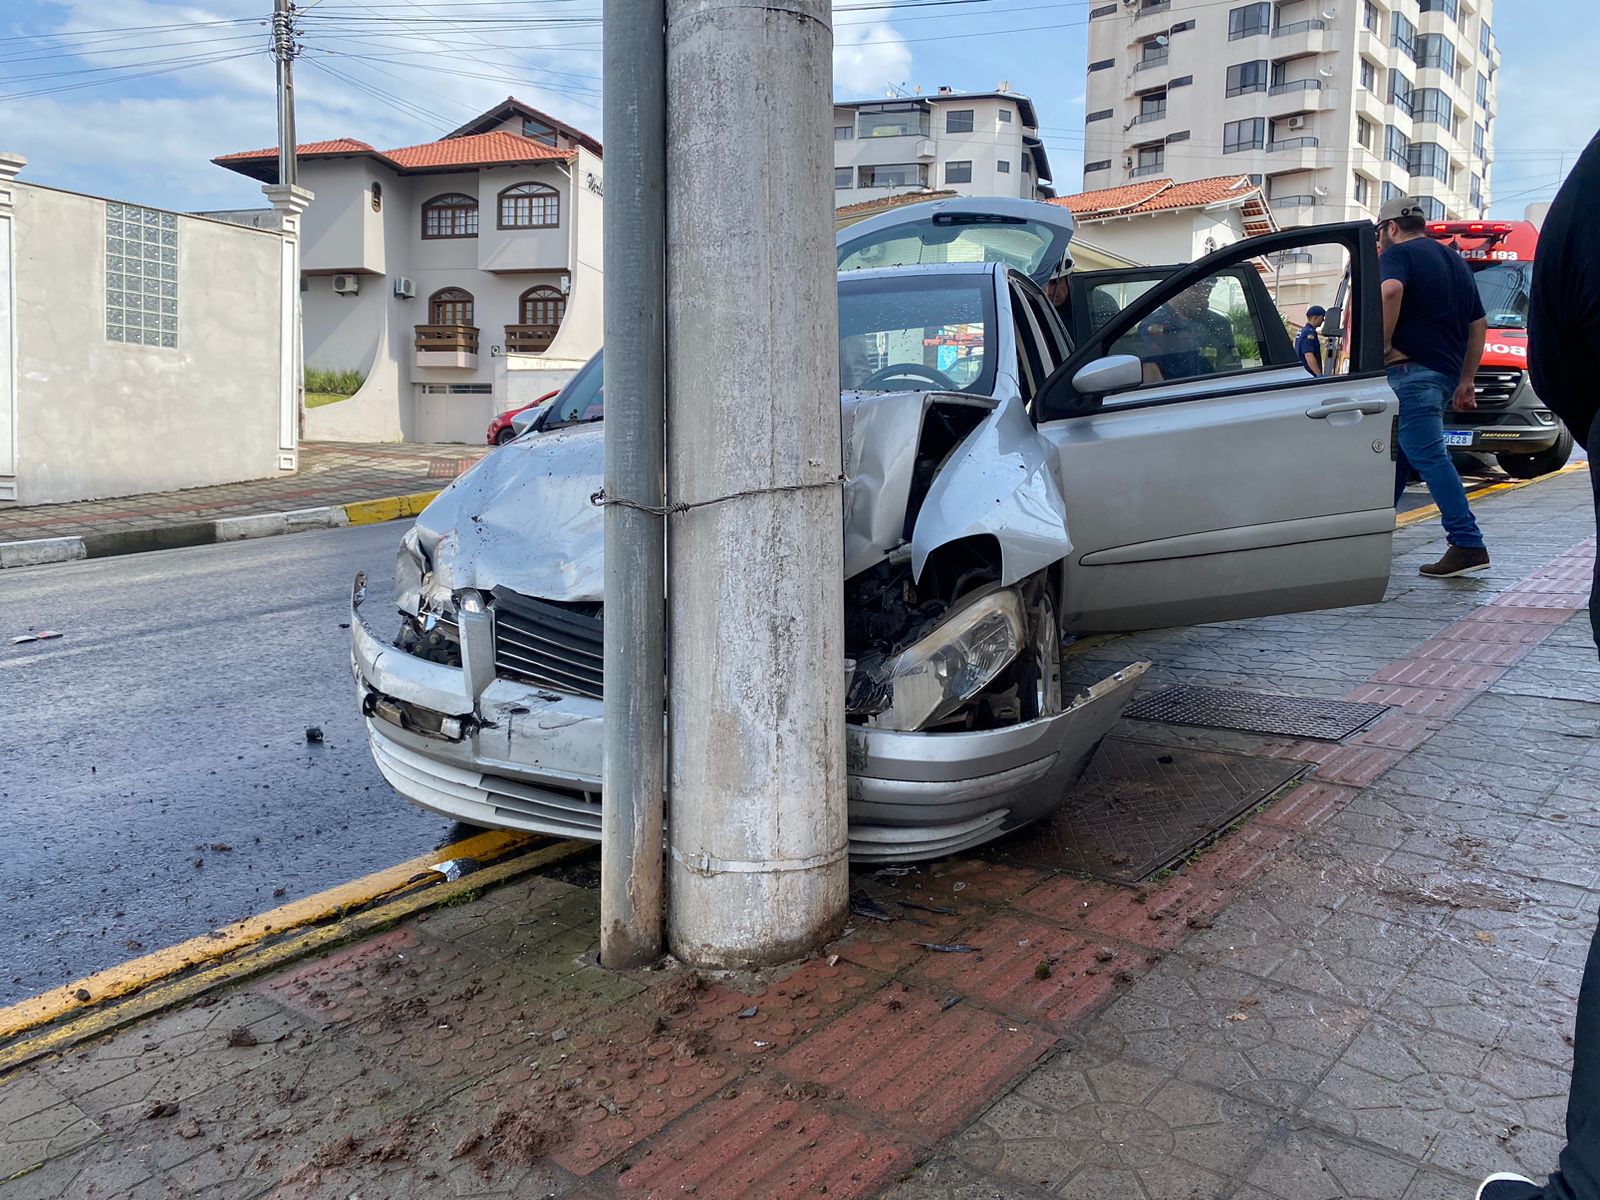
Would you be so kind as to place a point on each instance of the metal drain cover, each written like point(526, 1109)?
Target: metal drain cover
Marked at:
point(1141, 807)
point(1256, 712)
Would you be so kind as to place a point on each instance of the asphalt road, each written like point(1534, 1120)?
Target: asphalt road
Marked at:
point(170, 721)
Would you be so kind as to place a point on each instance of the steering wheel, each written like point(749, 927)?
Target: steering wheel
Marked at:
point(909, 371)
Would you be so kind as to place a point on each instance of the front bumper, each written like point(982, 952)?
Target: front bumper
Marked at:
point(523, 757)
point(1510, 437)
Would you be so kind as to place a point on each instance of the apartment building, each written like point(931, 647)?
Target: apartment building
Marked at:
point(1333, 106)
point(453, 276)
point(969, 143)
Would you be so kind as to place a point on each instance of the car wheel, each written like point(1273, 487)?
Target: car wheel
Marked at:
point(1039, 670)
point(504, 436)
point(1531, 466)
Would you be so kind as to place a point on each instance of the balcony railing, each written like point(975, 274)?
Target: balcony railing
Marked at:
point(458, 338)
point(529, 339)
point(1298, 85)
point(1145, 118)
point(1299, 27)
point(1154, 6)
point(1153, 60)
point(1301, 201)
point(1149, 169)
point(1291, 143)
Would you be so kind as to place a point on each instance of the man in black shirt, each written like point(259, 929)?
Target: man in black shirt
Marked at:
point(1434, 330)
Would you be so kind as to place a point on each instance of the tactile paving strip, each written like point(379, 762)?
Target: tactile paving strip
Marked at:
point(1256, 712)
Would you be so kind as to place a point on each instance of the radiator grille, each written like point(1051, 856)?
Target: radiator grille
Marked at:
point(555, 645)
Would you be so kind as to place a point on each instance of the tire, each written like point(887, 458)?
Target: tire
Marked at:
point(504, 436)
point(1038, 673)
point(1531, 466)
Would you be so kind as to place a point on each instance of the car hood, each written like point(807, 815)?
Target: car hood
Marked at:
point(525, 517)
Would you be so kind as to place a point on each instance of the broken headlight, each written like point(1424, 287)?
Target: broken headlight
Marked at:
point(933, 677)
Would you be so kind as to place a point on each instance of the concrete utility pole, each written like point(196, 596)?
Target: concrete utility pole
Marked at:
point(756, 681)
point(283, 52)
point(635, 560)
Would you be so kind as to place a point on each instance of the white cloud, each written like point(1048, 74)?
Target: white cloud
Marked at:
point(867, 58)
point(151, 140)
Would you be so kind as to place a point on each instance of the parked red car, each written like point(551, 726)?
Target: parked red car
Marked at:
point(500, 431)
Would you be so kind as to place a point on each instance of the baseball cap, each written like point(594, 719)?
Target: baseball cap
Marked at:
point(1400, 206)
point(1316, 310)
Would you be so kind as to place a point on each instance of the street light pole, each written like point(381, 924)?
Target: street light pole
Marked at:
point(756, 757)
point(634, 780)
point(283, 52)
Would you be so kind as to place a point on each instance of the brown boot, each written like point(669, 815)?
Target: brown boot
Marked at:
point(1457, 560)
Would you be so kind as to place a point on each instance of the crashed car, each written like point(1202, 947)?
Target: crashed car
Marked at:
point(1004, 491)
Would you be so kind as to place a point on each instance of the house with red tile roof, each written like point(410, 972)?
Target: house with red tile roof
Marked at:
point(1161, 221)
point(461, 277)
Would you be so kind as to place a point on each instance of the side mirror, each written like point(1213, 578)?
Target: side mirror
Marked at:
point(1333, 323)
point(523, 421)
point(1113, 373)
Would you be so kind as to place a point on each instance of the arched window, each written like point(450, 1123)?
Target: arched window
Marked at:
point(539, 314)
point(530, 206)
point(450, 306)
point(450, 216)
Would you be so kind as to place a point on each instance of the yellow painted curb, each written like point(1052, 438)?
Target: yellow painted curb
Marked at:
point(163, 992)
point(1432, 510)
point(390, 508)
point(128, 977)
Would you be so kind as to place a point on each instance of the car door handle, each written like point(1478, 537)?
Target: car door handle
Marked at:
point(1369, 408)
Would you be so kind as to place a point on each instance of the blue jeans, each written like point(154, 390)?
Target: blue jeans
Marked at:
point(1423, 394)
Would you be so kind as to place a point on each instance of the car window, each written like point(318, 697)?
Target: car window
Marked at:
point(1032, 367)
point(1109, 298)
point(1026, 246)
point(917, 333)
point(1054, 344)
point(1210, 328)
point(583, 399)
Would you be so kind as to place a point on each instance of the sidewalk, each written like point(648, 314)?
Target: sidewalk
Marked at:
point(1364, 990)
point(331, 473)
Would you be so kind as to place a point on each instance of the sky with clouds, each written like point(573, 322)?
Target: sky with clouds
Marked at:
point(132, 98)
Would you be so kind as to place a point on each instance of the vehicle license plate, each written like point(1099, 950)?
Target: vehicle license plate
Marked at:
point(1458, 437)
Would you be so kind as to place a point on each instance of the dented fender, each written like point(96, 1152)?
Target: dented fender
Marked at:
point(1003, 482)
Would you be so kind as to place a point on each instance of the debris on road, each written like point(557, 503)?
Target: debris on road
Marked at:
point(161, 1108)
point(241, 1036)
point(454, 868)
point(42, 635)
point(948, 1003)
point(947, 948)
point(745, 1014)
point(863, 905)
point(927, 908)
point(314, 734)
point(221, 847)
point(189, 1130)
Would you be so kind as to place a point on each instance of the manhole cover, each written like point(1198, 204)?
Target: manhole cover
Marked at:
point(1142, 806)
point(1256, 712)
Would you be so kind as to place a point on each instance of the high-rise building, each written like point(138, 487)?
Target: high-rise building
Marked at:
point(1334, 106)
point(970, 143)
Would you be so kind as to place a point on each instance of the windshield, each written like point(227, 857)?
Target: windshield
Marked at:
point(1027, 246)
point(583, 399)
point(1503, 288)
point(917, 333)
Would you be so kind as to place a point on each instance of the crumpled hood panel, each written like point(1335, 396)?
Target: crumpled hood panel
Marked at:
point(522, 519)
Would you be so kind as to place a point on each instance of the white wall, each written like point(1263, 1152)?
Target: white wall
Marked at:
point(1178, 236)
point(97, 418)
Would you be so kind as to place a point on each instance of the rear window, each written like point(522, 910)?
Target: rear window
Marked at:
point(1026, 246)
point(917, 333)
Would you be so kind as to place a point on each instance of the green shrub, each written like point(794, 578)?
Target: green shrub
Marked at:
point(333, 383)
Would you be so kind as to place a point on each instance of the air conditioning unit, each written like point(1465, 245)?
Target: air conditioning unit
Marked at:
point(1296, 122)
point(347, 285)
point(405, 288)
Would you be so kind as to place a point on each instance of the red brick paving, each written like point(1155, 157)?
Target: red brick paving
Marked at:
point(1413, 672)
point(1437, 703)
point(761, 1141)
point(1309, 806)
point(918, 1066)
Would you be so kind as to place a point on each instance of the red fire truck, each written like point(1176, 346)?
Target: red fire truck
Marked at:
point(1511, 422)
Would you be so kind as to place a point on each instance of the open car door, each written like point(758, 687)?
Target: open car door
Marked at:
point(1027, 235)
point(1207, 475)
